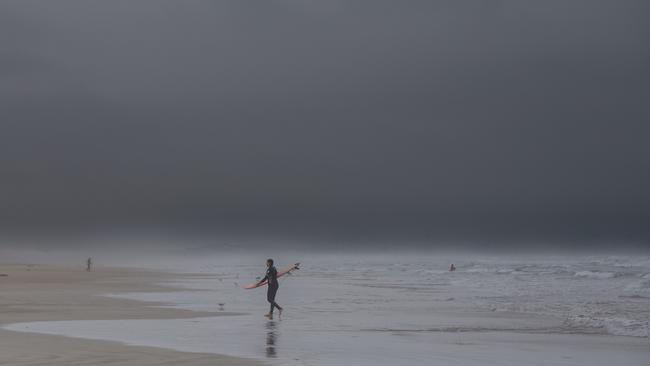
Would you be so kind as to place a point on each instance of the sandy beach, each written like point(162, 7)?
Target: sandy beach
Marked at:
point(42, 293)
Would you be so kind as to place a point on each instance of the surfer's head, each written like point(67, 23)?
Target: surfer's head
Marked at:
point(269, 262)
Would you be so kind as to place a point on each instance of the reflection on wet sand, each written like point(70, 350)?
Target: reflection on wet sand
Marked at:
point(271, 339)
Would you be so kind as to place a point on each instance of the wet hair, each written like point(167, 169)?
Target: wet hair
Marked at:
point(269, 261)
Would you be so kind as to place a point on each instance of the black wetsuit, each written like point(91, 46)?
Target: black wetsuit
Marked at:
point(272, 278)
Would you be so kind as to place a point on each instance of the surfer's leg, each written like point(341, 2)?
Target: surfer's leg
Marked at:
point(275, 305)
point(271, 298)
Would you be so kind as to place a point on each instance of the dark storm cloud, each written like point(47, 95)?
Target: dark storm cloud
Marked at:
point(417, 119)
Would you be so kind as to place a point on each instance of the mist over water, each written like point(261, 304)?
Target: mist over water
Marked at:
point(370, 124)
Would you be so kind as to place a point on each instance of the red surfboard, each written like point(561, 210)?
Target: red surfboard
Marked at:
point(280, 274)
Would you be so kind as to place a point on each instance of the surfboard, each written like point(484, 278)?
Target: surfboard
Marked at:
point(280, 274)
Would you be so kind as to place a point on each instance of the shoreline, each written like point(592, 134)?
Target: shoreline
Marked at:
point(31, 293)
point(143, 330)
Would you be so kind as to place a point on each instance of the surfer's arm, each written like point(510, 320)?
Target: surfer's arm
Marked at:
point(263, 279)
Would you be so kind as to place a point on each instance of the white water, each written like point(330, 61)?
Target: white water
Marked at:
point(384, 309)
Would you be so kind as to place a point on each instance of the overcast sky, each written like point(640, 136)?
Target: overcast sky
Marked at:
point(410, 120)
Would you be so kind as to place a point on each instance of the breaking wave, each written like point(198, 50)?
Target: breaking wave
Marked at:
point(597, 274)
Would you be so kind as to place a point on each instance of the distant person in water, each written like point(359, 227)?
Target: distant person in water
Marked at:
point(452, 268)
point(89, 264)
point(272, 278)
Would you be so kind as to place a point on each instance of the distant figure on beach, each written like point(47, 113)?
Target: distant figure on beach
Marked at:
point(272, 278)
point(89, 264)
point(452, 268)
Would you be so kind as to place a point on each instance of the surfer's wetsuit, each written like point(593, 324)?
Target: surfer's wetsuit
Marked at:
point(272, 277)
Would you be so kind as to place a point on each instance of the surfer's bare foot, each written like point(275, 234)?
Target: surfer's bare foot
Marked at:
point(280, 314)
point(270, 316)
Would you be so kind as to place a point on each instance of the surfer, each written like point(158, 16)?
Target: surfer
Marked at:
point(452, 268)
point(272, 278)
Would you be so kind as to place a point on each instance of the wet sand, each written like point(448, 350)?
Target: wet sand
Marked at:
point(41, 293)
